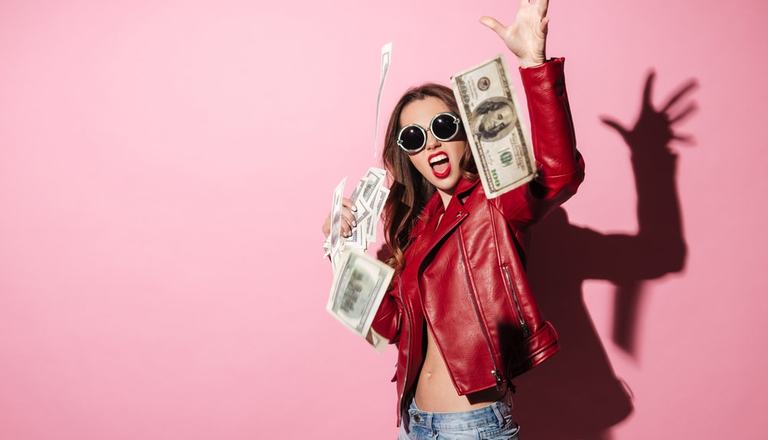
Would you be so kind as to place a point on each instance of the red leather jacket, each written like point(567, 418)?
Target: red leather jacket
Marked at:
point(466, 277)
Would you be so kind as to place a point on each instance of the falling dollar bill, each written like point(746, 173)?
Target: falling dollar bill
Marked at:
point(359, 284)
point(495, 132)
point(386, 60)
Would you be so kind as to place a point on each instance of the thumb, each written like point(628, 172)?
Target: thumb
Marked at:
point(544, 26)
point(493, 24)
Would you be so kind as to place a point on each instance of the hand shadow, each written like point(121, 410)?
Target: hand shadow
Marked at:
point(575, 394)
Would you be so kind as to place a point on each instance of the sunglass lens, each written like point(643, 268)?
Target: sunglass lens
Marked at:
point(444, 127)
point(411, 138)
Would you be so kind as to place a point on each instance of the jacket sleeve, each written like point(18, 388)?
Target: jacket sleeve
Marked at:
point(388, 317)
point(559, 164)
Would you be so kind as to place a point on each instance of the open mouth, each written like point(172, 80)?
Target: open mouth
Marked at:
point(441, 166)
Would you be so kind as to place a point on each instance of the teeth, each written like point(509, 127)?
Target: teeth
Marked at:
point(438, 158)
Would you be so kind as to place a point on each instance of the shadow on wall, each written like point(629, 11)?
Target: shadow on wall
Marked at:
point(576, 395)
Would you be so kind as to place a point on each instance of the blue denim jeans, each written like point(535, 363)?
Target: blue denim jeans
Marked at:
point(492, 422)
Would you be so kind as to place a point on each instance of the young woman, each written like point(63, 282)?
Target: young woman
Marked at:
point(459, 308)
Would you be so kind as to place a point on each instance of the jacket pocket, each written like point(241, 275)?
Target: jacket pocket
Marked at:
point(515, 299)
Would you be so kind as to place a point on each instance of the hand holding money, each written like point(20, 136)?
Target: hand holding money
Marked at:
point(359, 280)
point(347, 214)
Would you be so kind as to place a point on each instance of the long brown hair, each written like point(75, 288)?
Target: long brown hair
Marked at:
point(410, 191)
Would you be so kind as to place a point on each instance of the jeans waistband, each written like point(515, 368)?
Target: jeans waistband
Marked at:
point(489, 415)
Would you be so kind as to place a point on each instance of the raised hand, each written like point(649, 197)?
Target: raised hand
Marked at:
point(526, 37)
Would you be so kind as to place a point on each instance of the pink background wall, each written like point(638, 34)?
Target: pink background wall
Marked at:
point(165, 168)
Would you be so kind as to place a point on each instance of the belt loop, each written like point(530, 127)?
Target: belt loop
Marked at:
point(499, 416)
point(429, 420)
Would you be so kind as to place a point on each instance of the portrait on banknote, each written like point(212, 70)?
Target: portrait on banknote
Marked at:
point(494, 118)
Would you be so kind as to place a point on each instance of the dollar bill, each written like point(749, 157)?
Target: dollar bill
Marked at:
point(374, 179)
point(327, 246)
point(358, 287)
point(378, 341)
point(335, 235)
point(371, 196)
point(386, 60)
point(377, 206)
point(496, 134)
point(358, 239)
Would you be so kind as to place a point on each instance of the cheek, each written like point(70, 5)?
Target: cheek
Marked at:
point(460, 150)
point(418, 162)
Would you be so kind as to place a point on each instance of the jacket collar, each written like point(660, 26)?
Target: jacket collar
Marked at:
point(453, 215)
point(434, 205)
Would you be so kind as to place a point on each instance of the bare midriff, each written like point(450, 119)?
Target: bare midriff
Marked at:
point(434, 389)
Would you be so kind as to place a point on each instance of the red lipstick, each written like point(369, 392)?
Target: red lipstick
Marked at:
point(440, 164)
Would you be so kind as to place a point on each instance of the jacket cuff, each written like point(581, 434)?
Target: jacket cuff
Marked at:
point(549, 72)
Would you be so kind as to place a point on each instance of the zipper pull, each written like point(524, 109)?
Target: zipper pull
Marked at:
point(499, 381)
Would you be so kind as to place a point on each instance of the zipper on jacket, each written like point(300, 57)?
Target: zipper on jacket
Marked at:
point(410, 347)
point(495, 372)
point(523, 325)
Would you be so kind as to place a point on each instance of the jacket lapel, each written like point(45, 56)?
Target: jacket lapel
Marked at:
point(453, 216)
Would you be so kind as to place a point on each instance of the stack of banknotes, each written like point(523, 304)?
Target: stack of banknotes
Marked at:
point(359, 280)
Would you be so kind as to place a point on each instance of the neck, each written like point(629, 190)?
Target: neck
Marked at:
point(445, 197)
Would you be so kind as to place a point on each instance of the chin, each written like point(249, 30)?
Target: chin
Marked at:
point(448, 185)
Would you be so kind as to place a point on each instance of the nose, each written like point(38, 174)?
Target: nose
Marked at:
point(432, 141)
